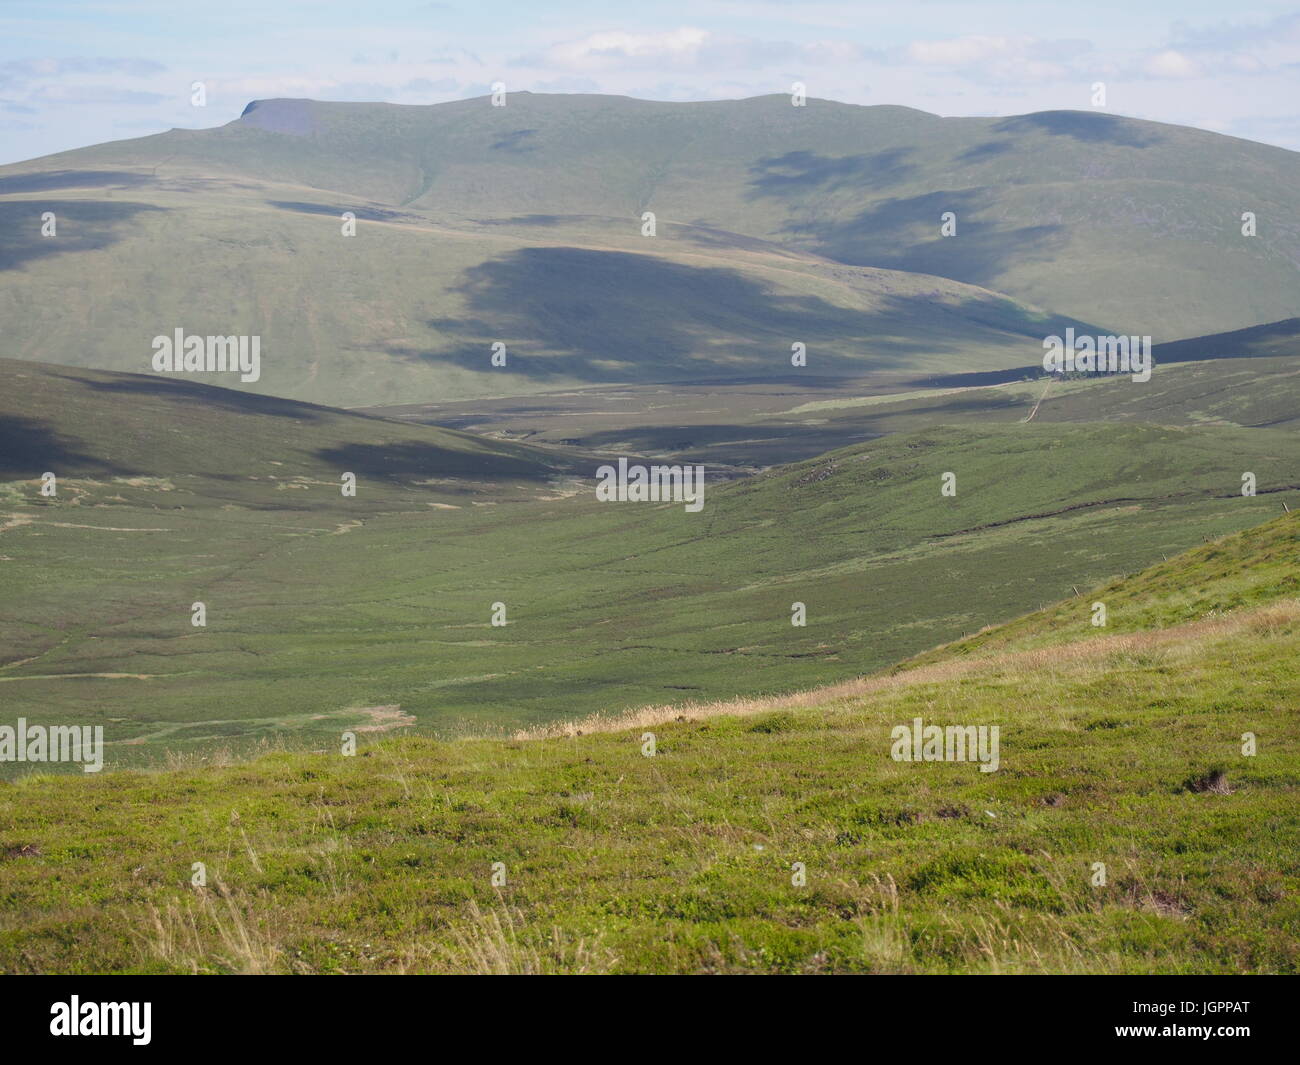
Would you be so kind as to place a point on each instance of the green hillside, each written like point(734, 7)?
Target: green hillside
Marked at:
point(1270, 339)
point(521, 224)
point(102, 432)
point(1235, 574)
point(1125, 831)
point(324, 611)
point(412, 305)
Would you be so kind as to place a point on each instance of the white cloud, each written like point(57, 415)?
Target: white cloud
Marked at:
point(619, 48)
point(424, 85)
point(98, 95)
point(688, 48)
point(1172, 63)
point(21, 73)
point(999, 59)
point(567, 85)
point(1231, 36)
point(965, 51)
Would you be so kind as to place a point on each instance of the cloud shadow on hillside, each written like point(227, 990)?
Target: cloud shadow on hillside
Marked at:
point(1082, 126)
point(404, 462)
point(795, 173)
point(185, 392)
point(81, 225)
point(557, 307)
point(903, 234)
point(50, 180)
point(365, 214)
point(518, 142)
point(737, 444)
point(979, 153)
point(29, 448)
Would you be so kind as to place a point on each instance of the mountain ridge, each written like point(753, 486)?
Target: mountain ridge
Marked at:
point(523, 225)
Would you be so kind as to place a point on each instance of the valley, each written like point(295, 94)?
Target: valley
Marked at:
point(338, 604)
point(529, 539)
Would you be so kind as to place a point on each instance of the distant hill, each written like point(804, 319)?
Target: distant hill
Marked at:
point(521, 224)
point(109, 433)
point(1270, 339)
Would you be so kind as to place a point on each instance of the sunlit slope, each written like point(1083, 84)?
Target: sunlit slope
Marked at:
point(410, 308)
point(1133, 224)
point(1124, 831)
point(321, 609)
point(1207, 585)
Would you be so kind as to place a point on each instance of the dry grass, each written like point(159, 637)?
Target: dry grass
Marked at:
point(220, 926)
point(1074, 657)
point(496, 943)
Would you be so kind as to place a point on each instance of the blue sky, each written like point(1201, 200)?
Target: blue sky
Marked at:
point(77, 73)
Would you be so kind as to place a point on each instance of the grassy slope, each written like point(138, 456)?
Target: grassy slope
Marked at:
point(1270, 339)
point(681, 862)
point(88, 423)
point(520, 224)
point(411, 306)
point(1236, 573)
point(320, 607)
point(1130, 223)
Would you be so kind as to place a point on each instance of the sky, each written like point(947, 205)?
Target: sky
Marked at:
point(79, 72)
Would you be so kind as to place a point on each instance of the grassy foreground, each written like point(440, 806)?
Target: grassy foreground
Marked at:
point(1119, 745)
